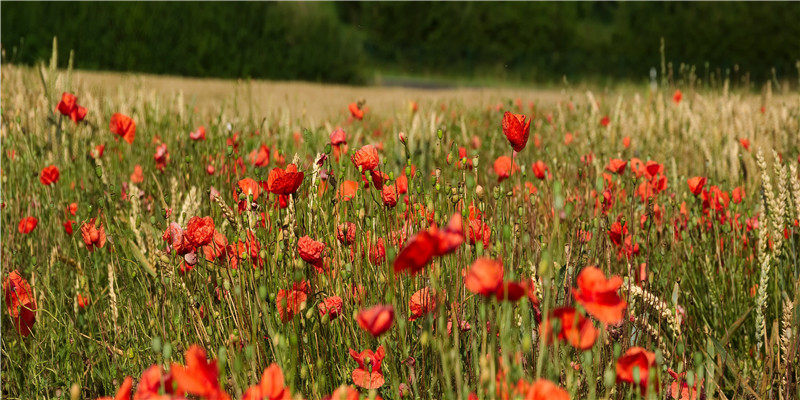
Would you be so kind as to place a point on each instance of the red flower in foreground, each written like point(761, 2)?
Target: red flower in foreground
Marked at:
point(543, 389)
point(422, 302)
point(69, 106)
point(199, 377)
point(422, 247)
point(292, 301)
point(368, 375)
point(376, 320)
point(271, 386)
point(516, 130)
point(20, 302)
point(49, 175)
point(199, 231)
point(310, 251)
point(124, 392)
point(598, 295)
point(284, 182)
point(27, 224)
point(93, 237)
point(124, 126)
point(696, 184)
point(356, 111)
point(199, 134)
point(633, 358)
point(366, 158)
point(575, 329)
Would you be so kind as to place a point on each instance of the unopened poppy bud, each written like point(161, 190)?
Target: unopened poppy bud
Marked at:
point(475, 161)
point(402, 137)
point(439, 134)
point(480, 192)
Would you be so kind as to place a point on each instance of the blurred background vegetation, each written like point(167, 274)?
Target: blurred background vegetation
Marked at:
point(360, 42)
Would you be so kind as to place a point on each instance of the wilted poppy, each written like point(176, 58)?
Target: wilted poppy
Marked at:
point(69, 106)
point(124, 126)
point(92, 235)
point(516, 129)
point(292, 301)
point(575, 329)
point(27, 224)
point(284, 182)
point(199, 231)
point(599, 296)
point(636, 358)
point(422, 302)
point(366, 158)
point(49, 175)
point(696, 184)
point(20, 302)
point(376, 320)
point(271, 386)
point(200, 376)
point(310, 251)
point(368, 375)
point(331, 306)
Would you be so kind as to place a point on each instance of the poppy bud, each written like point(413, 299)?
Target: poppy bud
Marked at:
point(402, 137)
point(439, 134)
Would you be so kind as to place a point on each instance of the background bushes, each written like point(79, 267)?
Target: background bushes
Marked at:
point(348, 41)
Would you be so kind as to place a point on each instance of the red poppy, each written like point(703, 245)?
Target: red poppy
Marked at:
point(504, 167)
point(49, 175)
point(175, 237)
point(137, 176)
point(161, 156)
point(346, 233)
point(347, 190)
point(626, 142)
point(199, 134)
point(575, 329)
point(366, 158)
point(20, 302)
point(617, 232)
point(738, 194)
point(745, 143)
point(292, 301)
point(92, 235)
point(389, 196)
point(124, 391)
point(516, 129)
point(154, 383)
point(679, 389)
point(356, 111)
point(27, 224)
point(605, 121)
point(124, 126)
point(485, 277)
point(199, 377)
point(599, 296)
point(82, 301)
point(271, 386)
point(543, 389)
point(260, 156)
point(422, 247)
point(249, 187)
point(376, 320)
point(331, 306)
point(616, 166)
point(696, 184)
point(368, 375)
point(422, 302)
point(98, 151)
point(479, 231)
point(636, 357)
point(199, 231)
point(310, 251)
point(677, 97)
point(284, 182)
point(217, 246)
point(69, 106)
point(68, 226)
point(539, 169)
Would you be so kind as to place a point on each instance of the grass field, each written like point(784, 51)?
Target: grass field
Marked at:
point(638, 242)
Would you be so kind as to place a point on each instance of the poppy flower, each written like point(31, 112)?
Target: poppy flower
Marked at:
point(199, 134)
point(338, 142)
point(260, 156)
point(679, 389)
point(366, 158)
point(738, 194)
point(346, 233)
point(310, 251)
point(617, 232)
point(636, 357)
point(389, 196)
point(199, 377)
point(575, 329)
point(368, 375)
point(124, 126)
point(539, 169)
point(69, 106)
point(745, 143)
point(696, 184)
point(356, 111)
point(605, 121)
point(284, 182)
point(27, 224)
point(82, 301)
point(422, 302)
point(161, 156)
point(124, 391)
point(175, 238)
point(376, 320)
point(616, 166)
point(199, 231)
point(137, 176)
point(217, 246)
point(20, 302)
point(677, 96)
point(422, 247)
point(402, 184)
point(626, 142)
point(331, 306)
point(154, 383)
point(504, 167)
point(543, 389)
point(271, 386)
point(49, 175)
point(93, 236)
point(98, 151)
point(292, 301)
point(249, 187)
point(599, 296)
point(516, 129)
point(485, 277)
point(347, 190)
point(68, 226)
